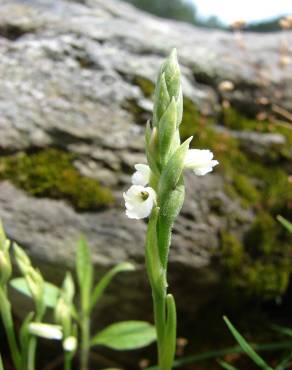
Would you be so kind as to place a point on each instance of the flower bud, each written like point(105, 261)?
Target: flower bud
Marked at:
point(5, 267)
point(70, 344)
point(23, 262)
point(35, 283)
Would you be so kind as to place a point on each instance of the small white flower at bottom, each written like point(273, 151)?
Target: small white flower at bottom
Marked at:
point(139, 201)
point(142, 174)
point(47, 331)
point(200, 161)
point(70, 344)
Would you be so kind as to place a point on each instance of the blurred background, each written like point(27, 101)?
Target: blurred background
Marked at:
point(76, 89)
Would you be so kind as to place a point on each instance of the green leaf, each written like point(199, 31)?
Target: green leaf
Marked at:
point(161, 99)
point(169, 344)
point(24, 335)
point(285, 223)
point(153, 261)
point(84, 271)
point(170, 68)
point(126, 335)
point(1, 363)
point(246, 347)
point(226, 366)
point(107, 278)
point(167, 129)
point(172, 172)
point(51, 291)
point(283, 330)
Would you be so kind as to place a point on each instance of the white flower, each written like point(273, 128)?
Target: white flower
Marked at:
point(142, 175)
point(70, 344)
point(139, 201)
point(200, 161)
point(45, 330)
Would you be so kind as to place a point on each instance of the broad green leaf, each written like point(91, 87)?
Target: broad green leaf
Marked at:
point(51, 291)
point(226, 366)
point(84, 270)
point(246, 347)
point(285, 223)
point(107, 278)
point(126, 335)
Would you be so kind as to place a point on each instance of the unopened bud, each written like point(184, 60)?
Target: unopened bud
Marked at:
point(5, 267)
point(35, 283)
point(70, 344)
point(22, 259)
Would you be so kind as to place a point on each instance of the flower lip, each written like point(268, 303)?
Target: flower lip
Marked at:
point(139, 201)
point(142, 174)
point(200, 161)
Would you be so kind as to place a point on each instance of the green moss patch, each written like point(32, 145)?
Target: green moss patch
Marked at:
point(51, 173)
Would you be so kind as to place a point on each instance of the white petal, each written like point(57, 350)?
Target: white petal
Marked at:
point(70, 344)
point(200, 161)
point(142, 174)
point(45, 330)
point(136, 206)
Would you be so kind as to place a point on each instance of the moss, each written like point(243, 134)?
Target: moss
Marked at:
point(262, 236)
point(246, 190)
point(50, 173)
point(232, 251)
point(267, 280)
point(236, 121)
point(145, 85)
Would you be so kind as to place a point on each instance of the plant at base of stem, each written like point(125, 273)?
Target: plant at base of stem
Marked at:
point(163, 198)
point(35, 284)
point(5, 307)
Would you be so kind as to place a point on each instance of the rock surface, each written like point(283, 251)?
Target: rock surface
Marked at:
point(67, 74)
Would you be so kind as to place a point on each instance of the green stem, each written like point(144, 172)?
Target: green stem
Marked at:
point(85, 340)
point(31, 355)
point(159, 319)
point(1, 363)
point(67, 361)
point(9, 328)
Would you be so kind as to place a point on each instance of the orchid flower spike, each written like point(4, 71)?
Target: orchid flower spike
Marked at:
point(200, 161)
point(142, 175)
point(139, 201)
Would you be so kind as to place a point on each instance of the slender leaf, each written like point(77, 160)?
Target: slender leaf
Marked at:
point(107, 278)
point(225, 351)
point(285, 361)
point(51, 291)
point(285, 223)
point(126, 335)
point(227, 366)
point(169, 344)
point(1, 363)
point(246, 347)
point(282, 330)
point(24, 336)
